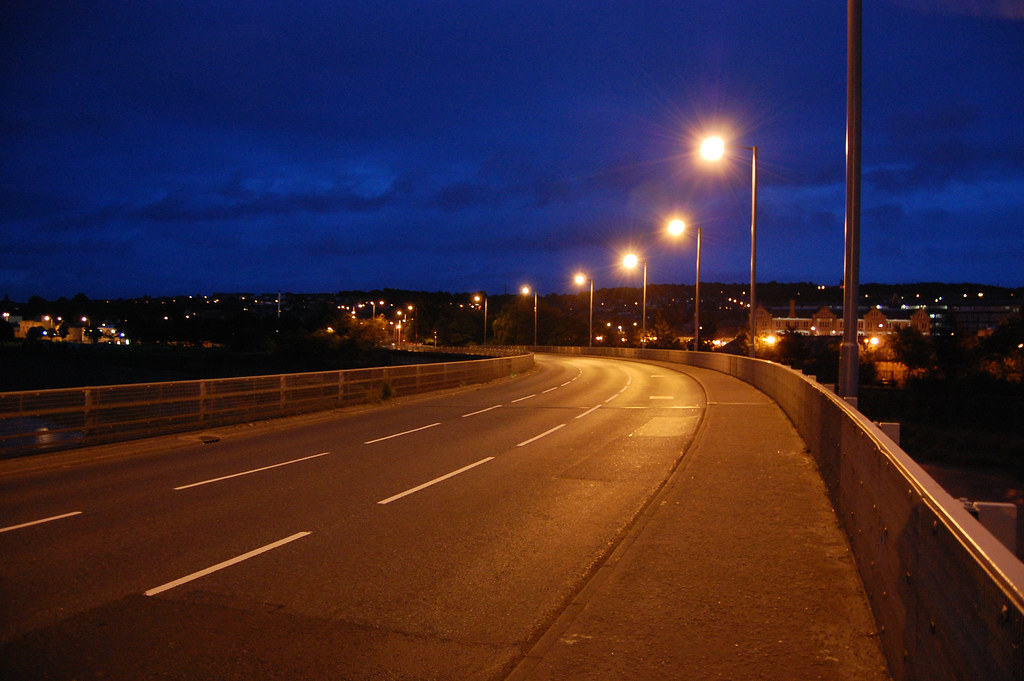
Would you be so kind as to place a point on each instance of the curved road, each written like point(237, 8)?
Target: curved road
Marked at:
point(436, 537)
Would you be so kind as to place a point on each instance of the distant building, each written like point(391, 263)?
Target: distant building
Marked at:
point(972, 320)
point(825, 322)
point(25, 326)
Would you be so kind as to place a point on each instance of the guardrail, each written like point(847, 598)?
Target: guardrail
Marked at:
point(33, 421)
point(948, 597)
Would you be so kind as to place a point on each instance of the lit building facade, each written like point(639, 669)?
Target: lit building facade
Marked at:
point(825, 322)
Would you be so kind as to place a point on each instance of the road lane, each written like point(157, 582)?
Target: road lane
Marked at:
point(471, 566)
point(40, 521)
point(224, 564)
point(431, 483)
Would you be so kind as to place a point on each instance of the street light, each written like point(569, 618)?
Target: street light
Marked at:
point(676, 228)
point(526, 292)
point(713, 149)
point(477, 298)
point(373, 304)
point(580, 280)
point(398, 328)
point(629, 262)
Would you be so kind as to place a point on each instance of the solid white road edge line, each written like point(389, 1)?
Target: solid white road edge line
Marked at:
point(404, 432)
point(227, 563)
point(37, 522)
point(434, 481)
point(537, 437)
point(255, 470)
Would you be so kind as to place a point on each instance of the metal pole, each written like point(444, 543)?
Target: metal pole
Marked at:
point(849, 366)
point(590, 334)
point(643, 323)
point(753, 248)
point(485, 320)
point(534, 319)
point(696, 301)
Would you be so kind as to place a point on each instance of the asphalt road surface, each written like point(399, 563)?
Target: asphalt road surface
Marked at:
point(430, 538)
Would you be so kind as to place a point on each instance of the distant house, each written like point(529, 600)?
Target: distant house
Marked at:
point(825, 322)
point(25, 326)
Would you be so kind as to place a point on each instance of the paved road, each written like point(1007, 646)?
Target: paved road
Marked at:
point(436, 537)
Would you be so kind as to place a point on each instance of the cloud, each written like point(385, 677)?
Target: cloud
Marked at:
point(996, 9)
point(236, 202)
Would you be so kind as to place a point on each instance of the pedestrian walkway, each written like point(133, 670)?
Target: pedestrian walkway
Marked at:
point(738, 569)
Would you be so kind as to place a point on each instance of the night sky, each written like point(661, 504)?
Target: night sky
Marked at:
point(160, 148)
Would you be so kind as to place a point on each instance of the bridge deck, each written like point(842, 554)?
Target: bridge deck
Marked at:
point(739, 569)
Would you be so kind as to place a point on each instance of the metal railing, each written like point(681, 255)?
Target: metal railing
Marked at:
point(33, 421)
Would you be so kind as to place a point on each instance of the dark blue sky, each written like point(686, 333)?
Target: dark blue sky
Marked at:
point(191, 147)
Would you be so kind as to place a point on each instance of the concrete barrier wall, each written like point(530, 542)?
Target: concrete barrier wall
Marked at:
point(32, 421)
point(948, 597)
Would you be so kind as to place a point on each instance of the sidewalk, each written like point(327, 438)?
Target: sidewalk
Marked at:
point(739, 569)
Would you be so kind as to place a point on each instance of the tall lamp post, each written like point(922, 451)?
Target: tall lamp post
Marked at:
point(526, 292)
point(713, 149)
point(477, 298)
point(629, 262)
point(849, 366)
point(580, 280)
point(676, 228)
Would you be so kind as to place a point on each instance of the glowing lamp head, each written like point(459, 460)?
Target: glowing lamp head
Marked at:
point(676, 227)
point(712, 149)
point(525, 290)
point(630, 261)
point(580, 279)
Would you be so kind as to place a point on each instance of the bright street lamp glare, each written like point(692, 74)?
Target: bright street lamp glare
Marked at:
point(580, 279)
point(712, 149)
point(630, 261)
point(525, 290)
point(676, 227)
